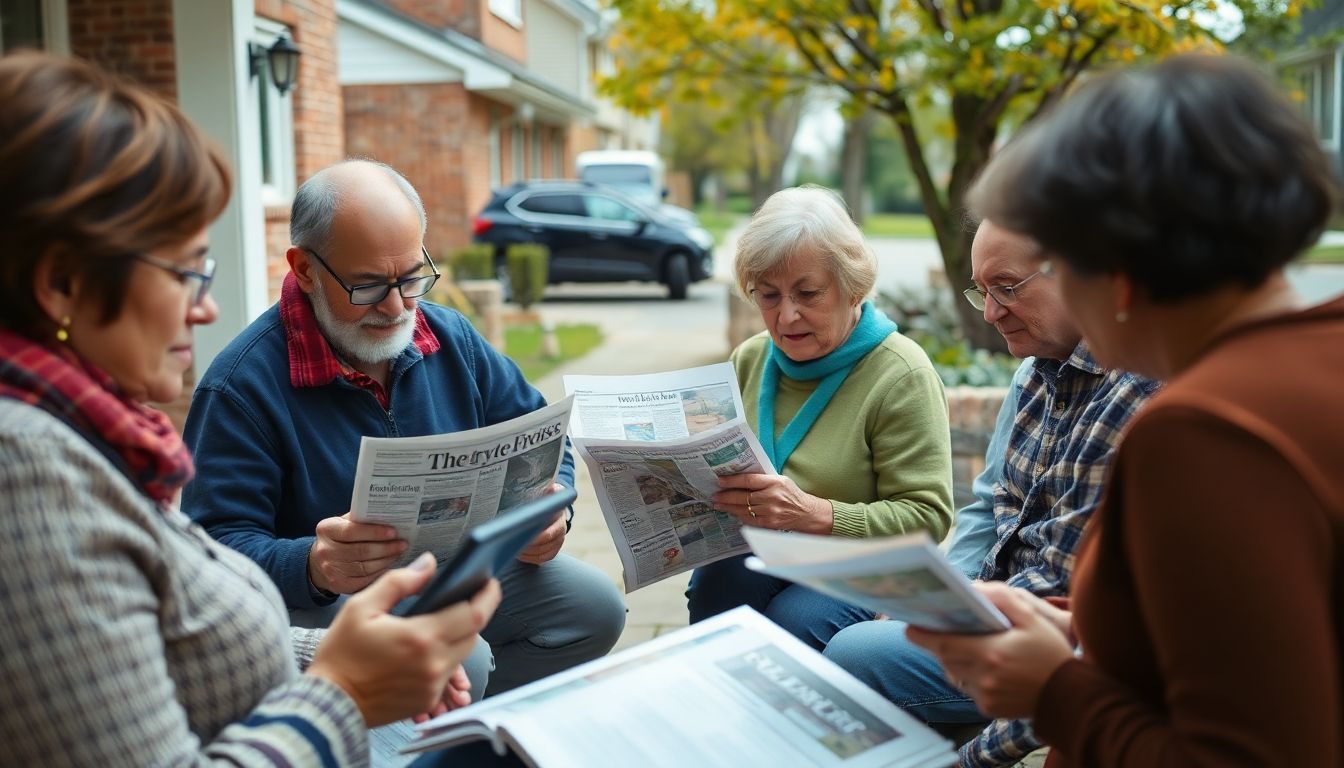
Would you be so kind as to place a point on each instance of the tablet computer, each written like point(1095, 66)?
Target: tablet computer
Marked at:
point(486, 549)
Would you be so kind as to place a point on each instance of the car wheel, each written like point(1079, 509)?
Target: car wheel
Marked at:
point(505, 282)
point(678, 276)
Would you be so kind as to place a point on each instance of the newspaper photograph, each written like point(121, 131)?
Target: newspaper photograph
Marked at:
point(656, 406)
point(434, 488)
point(733, 690)
point(904, 577)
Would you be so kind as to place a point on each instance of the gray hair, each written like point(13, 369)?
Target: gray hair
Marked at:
point(799, 220)
point(315, 204)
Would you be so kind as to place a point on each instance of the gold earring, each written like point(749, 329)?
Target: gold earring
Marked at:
point(63, 332)
point(1121, 316)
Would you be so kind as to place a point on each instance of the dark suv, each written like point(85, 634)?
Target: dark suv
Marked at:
point(596, 234)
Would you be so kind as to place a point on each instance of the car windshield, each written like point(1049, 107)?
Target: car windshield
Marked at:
point(635, 181)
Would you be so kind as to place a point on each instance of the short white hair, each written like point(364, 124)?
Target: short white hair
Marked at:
point(805, 220)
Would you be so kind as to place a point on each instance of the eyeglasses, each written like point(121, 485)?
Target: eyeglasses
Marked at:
point(1003, 294)
point(199, 282)
point(807, 298)
point(372, 293)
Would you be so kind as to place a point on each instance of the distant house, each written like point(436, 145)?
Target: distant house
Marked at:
point(1316, 69)
point(461, 95)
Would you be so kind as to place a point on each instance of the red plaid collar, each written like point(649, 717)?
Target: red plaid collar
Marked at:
point(55, 379)
point(312, 363)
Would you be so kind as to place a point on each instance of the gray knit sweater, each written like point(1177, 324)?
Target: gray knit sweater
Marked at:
point(129, 637)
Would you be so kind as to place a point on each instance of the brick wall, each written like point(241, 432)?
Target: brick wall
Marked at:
point(319, 138)
point(433, 133)
point(461, 15)
point(133, 37)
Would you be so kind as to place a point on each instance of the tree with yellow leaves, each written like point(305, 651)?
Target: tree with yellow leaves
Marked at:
point(983, 64)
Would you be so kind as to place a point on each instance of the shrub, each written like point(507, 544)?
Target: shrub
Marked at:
point(929, 319)
point(473, 262)
point(528, 265)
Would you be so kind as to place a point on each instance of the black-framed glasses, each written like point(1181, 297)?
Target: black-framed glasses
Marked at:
point(807, 298)
point(199, 282)
point(372, 293)
point(1005, 295)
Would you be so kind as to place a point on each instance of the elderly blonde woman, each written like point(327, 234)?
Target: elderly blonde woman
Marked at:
point(850, 412)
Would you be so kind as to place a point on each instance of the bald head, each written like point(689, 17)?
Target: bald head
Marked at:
point(359, 193)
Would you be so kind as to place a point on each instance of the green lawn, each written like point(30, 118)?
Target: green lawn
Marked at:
point(717, 223)
point(522, 343)
point(897, 225)
point(1325, 254)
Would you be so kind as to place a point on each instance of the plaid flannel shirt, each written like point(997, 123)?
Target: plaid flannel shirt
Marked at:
point(1070, 417)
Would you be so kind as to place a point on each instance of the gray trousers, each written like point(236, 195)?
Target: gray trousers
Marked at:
point(553, 616)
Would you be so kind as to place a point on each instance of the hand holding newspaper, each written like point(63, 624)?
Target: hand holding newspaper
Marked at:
point(905, 577)
point(434, 488)
point(655, 446)
point(731, 691)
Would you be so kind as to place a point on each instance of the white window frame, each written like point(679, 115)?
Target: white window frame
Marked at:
point(278, 133)
point(516, 152)
point(557, 153)
point(534, 162)
point(510, 11)
point(55, 21)
point(496, 154)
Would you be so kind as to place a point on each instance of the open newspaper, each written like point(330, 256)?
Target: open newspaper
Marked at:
point(434, 488)
point(904, 577)
point(655, 446)
point(732, 691)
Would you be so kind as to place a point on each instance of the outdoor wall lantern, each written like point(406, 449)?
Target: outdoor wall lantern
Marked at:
point(282, 59)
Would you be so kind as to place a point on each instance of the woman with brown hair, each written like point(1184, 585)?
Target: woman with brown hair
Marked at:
point(130, 637)
point(1208, 599)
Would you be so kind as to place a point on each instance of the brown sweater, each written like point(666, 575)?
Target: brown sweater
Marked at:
point(1209, 592)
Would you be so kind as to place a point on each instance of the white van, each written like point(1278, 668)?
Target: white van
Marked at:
point(639, 174)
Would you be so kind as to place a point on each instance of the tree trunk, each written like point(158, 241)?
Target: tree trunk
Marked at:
point(853, 163)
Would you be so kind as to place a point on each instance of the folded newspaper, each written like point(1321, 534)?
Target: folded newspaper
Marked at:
point(731, 691)
point(434, 488)
point(655, 446)
point(904, 577)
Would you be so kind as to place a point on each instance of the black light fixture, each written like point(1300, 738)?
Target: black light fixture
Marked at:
point(282, 59)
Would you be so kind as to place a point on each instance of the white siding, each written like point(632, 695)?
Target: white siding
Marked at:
point(367, 58)
point(556, 47)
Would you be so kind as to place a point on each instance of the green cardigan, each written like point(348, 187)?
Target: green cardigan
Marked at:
point(881, 451)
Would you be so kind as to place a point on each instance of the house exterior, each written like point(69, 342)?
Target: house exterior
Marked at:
point(461, 95)
point(1315, 67)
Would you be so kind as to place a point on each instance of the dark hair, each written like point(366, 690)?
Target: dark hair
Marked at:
point(1187, 176)
point(93, 170)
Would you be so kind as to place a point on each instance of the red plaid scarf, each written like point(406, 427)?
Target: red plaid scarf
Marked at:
point(139, 440)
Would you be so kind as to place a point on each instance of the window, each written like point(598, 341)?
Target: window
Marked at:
point(558, 154)
point(516, 152)
point(1316, 79)
point(559, 205)
point(275, 123)
point(34, 24)
point(508, 10)
point(535, 164)
point(600, 207)
point(496, 154)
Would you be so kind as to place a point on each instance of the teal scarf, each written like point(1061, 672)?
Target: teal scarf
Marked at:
point(832, 368)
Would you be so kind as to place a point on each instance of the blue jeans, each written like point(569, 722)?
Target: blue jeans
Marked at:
point(553, 616)
point(807, 614)
point(877, 653)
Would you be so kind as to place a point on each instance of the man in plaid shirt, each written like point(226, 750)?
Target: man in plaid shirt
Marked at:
point(1043, 478)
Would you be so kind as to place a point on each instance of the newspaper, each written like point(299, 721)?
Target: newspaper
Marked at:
point(655, 446)
point(731, 691)
point(432, 489)
point(905, 577)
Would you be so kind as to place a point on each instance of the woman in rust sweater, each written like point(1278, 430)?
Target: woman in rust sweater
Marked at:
point(1209, 594)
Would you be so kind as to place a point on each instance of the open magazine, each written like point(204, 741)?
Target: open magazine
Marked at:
point(904, 577)
point(732, 691)
point(655, 446)
point(434, 488)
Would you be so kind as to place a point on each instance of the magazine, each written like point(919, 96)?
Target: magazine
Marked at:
point(904, 577)
point(434, 488)
point(731, 691)
point(655, 446)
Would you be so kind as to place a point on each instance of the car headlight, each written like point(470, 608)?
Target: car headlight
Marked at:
point(701, 237)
